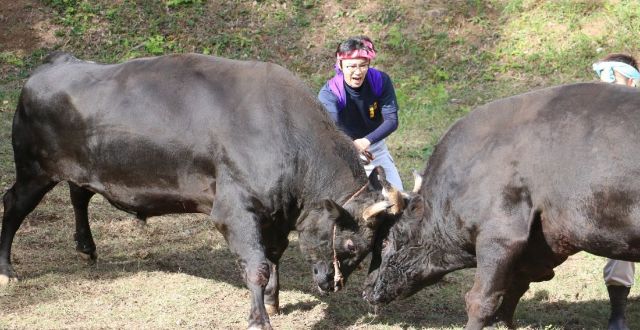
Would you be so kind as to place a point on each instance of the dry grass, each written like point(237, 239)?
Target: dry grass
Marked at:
point(177, 273)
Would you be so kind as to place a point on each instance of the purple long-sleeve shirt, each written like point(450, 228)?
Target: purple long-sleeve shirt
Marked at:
point(364, 115)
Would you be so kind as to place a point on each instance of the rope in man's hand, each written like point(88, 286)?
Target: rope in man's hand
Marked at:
point(366, 156)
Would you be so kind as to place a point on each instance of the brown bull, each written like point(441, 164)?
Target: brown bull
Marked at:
point(514, 188)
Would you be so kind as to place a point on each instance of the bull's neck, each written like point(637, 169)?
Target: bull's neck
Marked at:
point(326, 178)
point(448, 250)
point(334, 175)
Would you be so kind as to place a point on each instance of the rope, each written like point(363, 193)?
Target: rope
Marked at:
point(337, 274)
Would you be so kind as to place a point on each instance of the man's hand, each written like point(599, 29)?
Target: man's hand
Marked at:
point(362, 144)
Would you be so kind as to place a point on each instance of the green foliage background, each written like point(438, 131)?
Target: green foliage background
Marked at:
point(445, 56)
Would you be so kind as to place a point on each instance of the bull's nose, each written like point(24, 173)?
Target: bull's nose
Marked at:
point(325, 286)
point(324, 283)
point(378, 299)
point(369, 297)
point(323, 277)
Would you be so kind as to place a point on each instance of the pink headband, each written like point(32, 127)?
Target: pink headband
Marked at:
point(358, 53)
point(367, 53)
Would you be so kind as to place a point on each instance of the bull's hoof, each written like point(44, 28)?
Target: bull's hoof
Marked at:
point(86, 250)
point(5, 280)
point(90, 257)
point(618, 324)
point(7, 275)
point(272, 309)
point(141, 222)
point(266, 326)
point(498, 322)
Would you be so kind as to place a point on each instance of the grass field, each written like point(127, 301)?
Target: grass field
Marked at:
point(445, 57)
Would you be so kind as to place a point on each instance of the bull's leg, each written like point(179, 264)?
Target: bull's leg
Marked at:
point(85, 245)
point(510, 302)
point(535, 269)
point(241, 230)
point(18, 201)
point(272, 291)
point(245, 242)
point(493, 274)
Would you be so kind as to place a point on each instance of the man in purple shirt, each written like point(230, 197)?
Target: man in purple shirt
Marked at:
point(362, 102)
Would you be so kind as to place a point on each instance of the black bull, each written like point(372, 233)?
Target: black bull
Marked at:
point(245, 142)
point(516, 187)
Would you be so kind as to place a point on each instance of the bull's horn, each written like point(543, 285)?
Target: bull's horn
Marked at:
point(390, 193)
point(417, 181)
point(374, 209)
point(395, 198)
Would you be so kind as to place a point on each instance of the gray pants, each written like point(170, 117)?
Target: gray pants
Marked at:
point(382, 157)
point(618, 272)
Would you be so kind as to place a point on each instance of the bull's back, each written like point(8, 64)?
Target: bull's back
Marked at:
point(564, 133)
point(155, 129)
point(571, 152)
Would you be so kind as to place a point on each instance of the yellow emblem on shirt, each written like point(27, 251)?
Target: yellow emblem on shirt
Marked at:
point(372, 109)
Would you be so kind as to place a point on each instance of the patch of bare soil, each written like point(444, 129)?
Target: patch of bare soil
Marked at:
point(25, 26)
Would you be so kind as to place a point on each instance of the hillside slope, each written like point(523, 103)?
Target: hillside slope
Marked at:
point(445, 56)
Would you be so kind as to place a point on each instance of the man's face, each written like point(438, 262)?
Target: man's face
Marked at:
point(620, 79)
point(354, 71)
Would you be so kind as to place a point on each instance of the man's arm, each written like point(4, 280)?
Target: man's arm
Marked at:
point(389, 109)
point(329, 101)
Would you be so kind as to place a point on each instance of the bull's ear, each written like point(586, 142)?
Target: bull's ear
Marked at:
point(374, 179)
point(334, 210)
point(415, 207)
point(338, 214)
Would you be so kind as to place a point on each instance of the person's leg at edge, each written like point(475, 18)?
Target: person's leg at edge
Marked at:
point(618, 276)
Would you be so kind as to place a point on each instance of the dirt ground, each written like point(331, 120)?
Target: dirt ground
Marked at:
point(24, 26)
